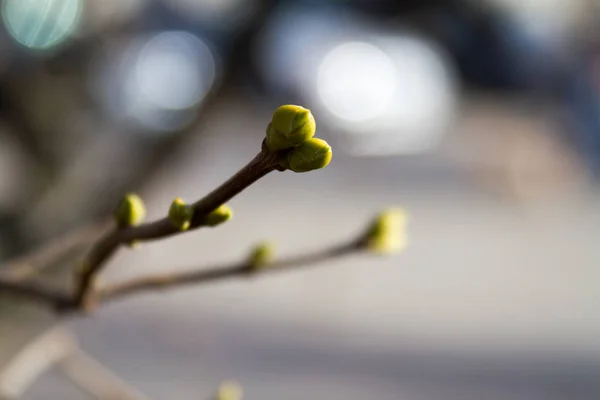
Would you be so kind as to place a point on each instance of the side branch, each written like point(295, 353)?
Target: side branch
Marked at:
point(289, 145)
point(240, 270)
point(260, 166)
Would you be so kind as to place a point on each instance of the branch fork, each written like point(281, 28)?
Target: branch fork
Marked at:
point(289, 145)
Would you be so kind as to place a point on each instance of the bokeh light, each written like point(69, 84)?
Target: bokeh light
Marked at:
point(357, 81)
point(383, 89)
point(168, 70)
point(292, 43)
point(41, 24)
point(158, 81)
point(392, 94)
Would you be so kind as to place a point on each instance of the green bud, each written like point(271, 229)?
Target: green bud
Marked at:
point(180, 214)
point(229, 390)
point(387, 233)
point(312, 154)
point(262, 255)
point(290, 126)
point(130, 211)
point(218, 216)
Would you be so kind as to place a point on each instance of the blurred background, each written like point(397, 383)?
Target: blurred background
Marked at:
point(480, 117)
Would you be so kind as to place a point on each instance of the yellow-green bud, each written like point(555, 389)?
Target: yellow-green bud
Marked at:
point(262, 255)
point(229, 390)
point(312, 154)
point(180, 214)
point(130, 211)
point(290, 126)
point(387, 233)
point(218, 216)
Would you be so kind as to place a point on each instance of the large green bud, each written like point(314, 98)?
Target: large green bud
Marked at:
point(130, 211)
point(290, 126)
point(311, 154)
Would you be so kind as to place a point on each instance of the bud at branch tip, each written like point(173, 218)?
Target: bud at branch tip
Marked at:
point(387, 233)
point(262, 255)
point(290, 126)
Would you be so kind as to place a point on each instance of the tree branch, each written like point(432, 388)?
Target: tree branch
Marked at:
point(64, 303)
point(260, 166)
point(289, 144)
point(240, 270)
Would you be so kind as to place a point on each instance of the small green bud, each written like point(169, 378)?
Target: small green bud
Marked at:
point(130, 211)
point(312, 154)
point(262, 255)
point(387, 233)
point(290, 126)
point(180, 214)
point(219, 215)
point(229, 390)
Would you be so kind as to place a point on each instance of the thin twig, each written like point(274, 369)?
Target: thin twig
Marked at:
point(87, 295)
point(240, 270)
point(64, 303)
point(260, 166)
